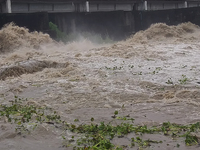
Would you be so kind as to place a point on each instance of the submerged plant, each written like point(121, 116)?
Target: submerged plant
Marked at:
point(183, 80)
point(114, 68)
point(157, 70)
point(169, 81)
point(95, 136)
point(22, 114)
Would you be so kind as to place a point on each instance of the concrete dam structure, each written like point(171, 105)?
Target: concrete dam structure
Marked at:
point(27, 6)
point(117, 19)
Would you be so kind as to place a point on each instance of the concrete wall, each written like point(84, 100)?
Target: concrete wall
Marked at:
point(156, 5)
point(116, 24)
point(3, 6)
point(193, 4)
point(33, 21)
point(68, 7)
point(165, 5)
point(110, 6)
point(143, 19)
point(120, 24)
point(34, 6)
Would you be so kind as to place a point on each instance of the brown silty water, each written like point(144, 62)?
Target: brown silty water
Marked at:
point(155, 75)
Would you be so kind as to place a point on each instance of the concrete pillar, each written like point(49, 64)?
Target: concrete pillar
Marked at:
point(186, 4)
point(8, 6)
point(87, 6)
point(145, 5)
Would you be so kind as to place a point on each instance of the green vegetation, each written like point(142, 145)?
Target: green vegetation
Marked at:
point(23, 115)
point(114, 68)
point(169, 81)
point(131, 66)
point(95, 136)
point(60, 36)
point(140, 73)
point(157, 70)
point(183, 80)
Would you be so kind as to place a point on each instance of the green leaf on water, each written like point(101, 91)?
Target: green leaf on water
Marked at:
point(116, 112)
point(92, 119)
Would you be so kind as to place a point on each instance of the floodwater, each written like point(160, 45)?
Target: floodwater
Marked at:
point(154, 74)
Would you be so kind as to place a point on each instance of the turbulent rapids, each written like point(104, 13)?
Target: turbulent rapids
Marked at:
point(13, 37)
point(28, 67)
point(154, 73)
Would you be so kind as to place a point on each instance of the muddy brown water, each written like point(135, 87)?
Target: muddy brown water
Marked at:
point(155, 75)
